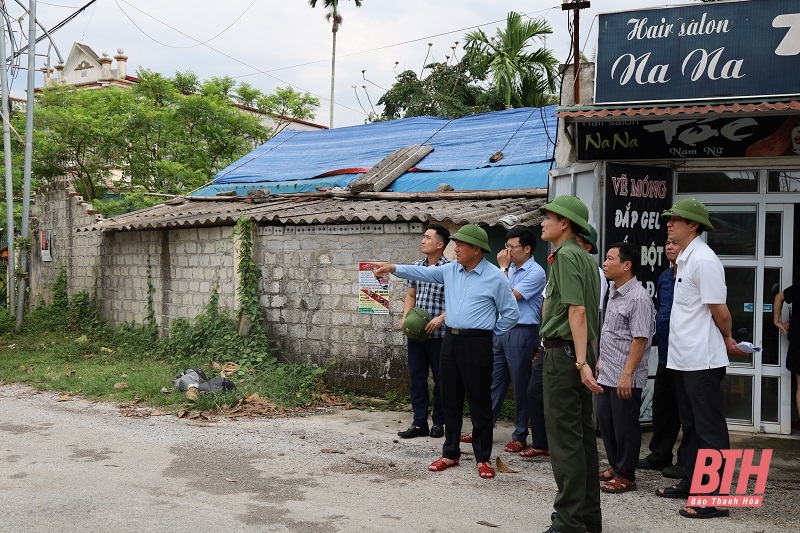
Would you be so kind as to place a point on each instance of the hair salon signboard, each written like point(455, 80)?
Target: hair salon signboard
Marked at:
point(699, 51)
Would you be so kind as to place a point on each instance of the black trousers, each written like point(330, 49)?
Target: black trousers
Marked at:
point(618, 420)
point(569, 415)
point(666, 422)
point(466, 364)
point(700, 409)
point(536, 405)
point(421, 357)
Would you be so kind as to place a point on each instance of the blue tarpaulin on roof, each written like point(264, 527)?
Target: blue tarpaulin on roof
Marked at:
point(524, 135)
point(531, 176)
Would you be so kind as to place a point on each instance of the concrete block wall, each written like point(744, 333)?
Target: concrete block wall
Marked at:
point(182, 265)
point(309, 293)
point(58, 209)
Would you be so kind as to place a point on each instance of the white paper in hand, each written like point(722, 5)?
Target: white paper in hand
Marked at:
point(747, 347)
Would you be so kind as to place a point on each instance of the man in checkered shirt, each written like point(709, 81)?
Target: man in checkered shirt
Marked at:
point(425, 355)
point(622, 366)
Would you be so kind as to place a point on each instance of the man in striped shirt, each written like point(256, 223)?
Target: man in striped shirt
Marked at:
point(622, 366)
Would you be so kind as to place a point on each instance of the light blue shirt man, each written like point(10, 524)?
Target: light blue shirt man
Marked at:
point(478, 299)
point(528, 280)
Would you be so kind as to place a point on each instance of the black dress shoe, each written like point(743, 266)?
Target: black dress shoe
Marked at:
point(437, 432)
point(590, 528)
point(413, 431)
point(551, 529)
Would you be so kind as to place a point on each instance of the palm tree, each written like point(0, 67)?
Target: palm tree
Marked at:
point(513, 68)
point(334, 16)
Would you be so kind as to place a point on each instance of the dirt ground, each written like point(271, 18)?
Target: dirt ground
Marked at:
point(80, 466)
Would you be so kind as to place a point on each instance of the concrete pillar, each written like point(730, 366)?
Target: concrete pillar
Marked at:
point(105, 67)
point(122, 64)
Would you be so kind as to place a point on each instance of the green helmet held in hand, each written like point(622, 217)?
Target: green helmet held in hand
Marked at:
point(414, 324)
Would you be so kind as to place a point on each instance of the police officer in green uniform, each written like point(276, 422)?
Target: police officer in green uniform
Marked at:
point(569, 326)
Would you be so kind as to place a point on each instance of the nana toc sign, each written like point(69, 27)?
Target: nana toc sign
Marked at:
point(703, 51)
point(706, 137)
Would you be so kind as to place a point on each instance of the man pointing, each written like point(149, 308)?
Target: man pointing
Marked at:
point(478, 303)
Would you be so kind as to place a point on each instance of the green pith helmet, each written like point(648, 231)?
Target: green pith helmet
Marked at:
point(414, 324)
point(572, 209)
point(472, 234)
point(591, 239)
point(690, 209)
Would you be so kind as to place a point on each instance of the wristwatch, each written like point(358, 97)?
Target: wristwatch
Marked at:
point(504, 269)
point(580, 365)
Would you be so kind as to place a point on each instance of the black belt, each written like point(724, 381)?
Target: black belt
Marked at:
point(524, 326)
point(469, 332)
point(558, 343)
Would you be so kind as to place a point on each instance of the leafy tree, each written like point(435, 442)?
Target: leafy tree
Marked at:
point(166, 135)
point(495, 73)
point(447, 91)
point(286, 104)
point(507, 59)
point(336, 21)
point(186, 82)
point(71, 137)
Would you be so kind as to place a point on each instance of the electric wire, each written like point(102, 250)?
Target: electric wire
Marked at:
point(232, 58)
point(198, 43)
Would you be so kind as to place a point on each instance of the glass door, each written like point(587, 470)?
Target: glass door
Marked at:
point(754, 243)
point(776, 401)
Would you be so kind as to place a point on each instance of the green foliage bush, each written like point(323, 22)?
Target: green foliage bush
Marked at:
point(6, 321)
point(213, 335)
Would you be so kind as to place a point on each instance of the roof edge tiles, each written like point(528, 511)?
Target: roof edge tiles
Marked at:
point(477, 207)
point(580, 112)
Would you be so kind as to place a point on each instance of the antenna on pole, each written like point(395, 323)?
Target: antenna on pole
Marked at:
point(576, 7)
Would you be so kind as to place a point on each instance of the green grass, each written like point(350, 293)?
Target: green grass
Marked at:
point(52, 353)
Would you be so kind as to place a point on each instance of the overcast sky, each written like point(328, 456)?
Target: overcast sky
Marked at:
point(270, 43)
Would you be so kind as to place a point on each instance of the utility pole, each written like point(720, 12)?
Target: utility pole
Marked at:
point(26, 175)
point(576, 7)
point(10, 276)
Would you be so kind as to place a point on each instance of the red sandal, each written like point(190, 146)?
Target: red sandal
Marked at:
point(514, 446)
point(533, 452)
point(485, 470)
point(439, 465)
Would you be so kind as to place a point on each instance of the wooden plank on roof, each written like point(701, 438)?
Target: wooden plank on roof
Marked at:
point(390, 168)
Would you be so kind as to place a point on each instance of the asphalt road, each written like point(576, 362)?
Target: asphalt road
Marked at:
point(80, 466)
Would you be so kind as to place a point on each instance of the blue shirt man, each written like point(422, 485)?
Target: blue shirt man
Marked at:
point(665, 291)
point(514, 351)
point(478, 302)
point(666, 422)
